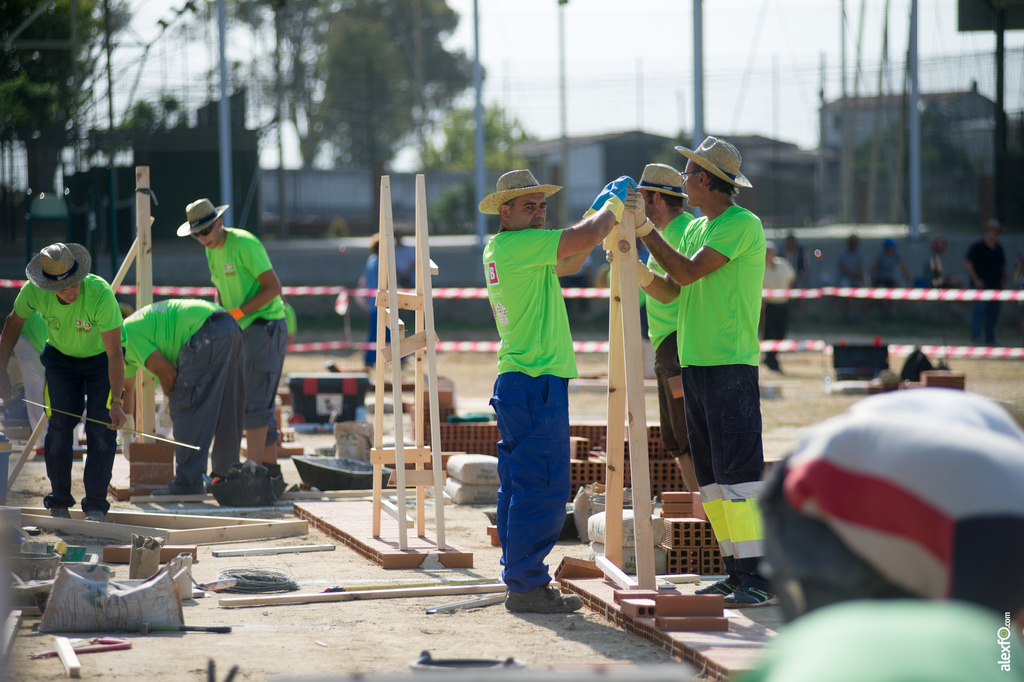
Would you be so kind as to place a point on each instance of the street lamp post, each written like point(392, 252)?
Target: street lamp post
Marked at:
point(563, 147)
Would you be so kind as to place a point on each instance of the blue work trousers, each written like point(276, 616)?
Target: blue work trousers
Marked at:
point(69, 382)
point(533, 466)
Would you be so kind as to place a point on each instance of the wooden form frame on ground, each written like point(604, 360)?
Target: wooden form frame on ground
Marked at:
point(141, 253)
point(175, 529)
point(389, 302)
point(626, 400)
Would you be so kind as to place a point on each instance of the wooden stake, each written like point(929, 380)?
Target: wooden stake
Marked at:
point(262, 551)
point(68, 657)
point(321, 597)
point(11, 626)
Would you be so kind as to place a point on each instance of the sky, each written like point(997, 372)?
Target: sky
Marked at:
point(629, 66)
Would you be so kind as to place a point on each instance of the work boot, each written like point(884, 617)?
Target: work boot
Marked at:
point(721, 587)
point(60, 513)
point(95, 515)
point(546, 599)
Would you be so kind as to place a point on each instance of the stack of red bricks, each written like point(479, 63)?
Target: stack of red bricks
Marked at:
point(673, 611)
point(690, 540)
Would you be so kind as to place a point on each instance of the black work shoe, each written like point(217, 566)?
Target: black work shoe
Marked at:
point(95, 515)
point(745, 597)
point(546, 599)
point(60, 513)
point(721, 587)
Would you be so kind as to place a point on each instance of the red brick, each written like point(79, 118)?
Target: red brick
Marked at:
point(638, 608)
point(690, 605)
point(619, 595)
point(692, 623)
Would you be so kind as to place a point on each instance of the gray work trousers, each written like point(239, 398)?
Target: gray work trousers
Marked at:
point(208, 401)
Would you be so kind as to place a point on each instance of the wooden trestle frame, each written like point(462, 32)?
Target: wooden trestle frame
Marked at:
point(626, 401)
point(389, 301)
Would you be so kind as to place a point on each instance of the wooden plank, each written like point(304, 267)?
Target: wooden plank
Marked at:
point(615, 574)
point(260, 551)
point(286, 497)
point(636, 410)
point(322, 597)
point(404, 301)
point(425, 289)
point(411, 455)
point(391, 509)
point(416, 477)
point(11, 627)
point(121, 554)
point(614, 441)
point(68, 657)
point(407, 346)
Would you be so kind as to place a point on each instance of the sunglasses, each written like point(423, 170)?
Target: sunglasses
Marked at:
point(203, 232)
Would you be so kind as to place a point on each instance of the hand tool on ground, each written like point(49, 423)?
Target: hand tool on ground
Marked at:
point(474, 603)
point(147, 628)
point(90, 646)
point(120, 428)
point(402, 586)
point(216, 585)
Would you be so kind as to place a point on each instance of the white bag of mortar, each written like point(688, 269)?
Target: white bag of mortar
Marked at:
point(474, 469)
point(596, 528)
point(464, 493)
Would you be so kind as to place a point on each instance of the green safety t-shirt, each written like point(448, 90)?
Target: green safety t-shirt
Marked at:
point(527, 304)
point(234, 269)
point(290, 319)
point(34, 330)
point(165, 326)
point(662, 317)
point(75, 330)
point(719, 313)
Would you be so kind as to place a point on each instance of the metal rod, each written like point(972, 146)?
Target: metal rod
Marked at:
point(122, 428)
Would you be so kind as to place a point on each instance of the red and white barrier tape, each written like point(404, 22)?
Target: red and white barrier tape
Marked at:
point(895, 294)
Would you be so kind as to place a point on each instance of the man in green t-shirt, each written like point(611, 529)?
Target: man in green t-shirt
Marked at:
point(716, 272)
point(194, 348)
point(662, 189)
point(250, 290)
point(522, 264)
point(84, 370)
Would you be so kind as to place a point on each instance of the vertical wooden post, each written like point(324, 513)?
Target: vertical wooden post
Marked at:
point(627, 285)
point(614, 433)
point(146, 406)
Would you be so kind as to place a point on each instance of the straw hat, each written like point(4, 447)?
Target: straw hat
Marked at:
point(511, 185)
point(200, 214)
point(720, 158)
point(658, 177)
point(59, 266)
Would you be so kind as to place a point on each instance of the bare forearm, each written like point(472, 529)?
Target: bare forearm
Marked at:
point(570, 265)
point(662, 289)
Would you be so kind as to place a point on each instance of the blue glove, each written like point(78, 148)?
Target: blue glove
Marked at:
point(612, 197)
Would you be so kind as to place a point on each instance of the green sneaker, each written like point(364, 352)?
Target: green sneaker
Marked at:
point(746, 597)
point(721, 587)
point(546, 599)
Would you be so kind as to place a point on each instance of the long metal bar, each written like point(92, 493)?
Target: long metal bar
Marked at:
point(90, 419)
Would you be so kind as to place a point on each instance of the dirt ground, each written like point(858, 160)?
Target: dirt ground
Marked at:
point(383, 636)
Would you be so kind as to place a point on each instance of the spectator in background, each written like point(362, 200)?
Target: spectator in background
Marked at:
point(1018, 282)
point(883, 271)
point(935, 272)
point(986, 266)
point(851, 272)
point(796, 254)
point(368, 280)
point(778, 274)
point(405, 262)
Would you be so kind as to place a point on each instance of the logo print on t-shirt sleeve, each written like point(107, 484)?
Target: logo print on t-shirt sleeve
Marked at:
point(500, 314)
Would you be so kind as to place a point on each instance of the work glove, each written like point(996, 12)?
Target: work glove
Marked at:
point(126, 429)
point(644, 275)
point(612, 197)
point(635, 205)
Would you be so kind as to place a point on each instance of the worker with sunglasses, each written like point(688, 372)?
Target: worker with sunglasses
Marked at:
point(249, 289)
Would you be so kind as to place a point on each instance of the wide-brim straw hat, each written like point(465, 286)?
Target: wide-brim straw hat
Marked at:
point(200, 214)
point(59, 266)
point(720, 158)
point(511, 185)
point(659, 177)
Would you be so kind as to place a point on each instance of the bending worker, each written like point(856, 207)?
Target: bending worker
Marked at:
point(194, 348)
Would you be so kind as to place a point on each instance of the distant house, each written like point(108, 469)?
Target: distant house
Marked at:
point(594, 161)
point(965, 119)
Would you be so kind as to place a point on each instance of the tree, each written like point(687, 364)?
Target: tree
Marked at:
point(44, 79)
point(388, 73)
point(455, 148)
point(454, 210)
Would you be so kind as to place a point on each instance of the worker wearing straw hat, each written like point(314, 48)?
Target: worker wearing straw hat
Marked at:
point(250, 290)
point(84, 370)
point(662, 189)
point(522, 264)
point(716, 271)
